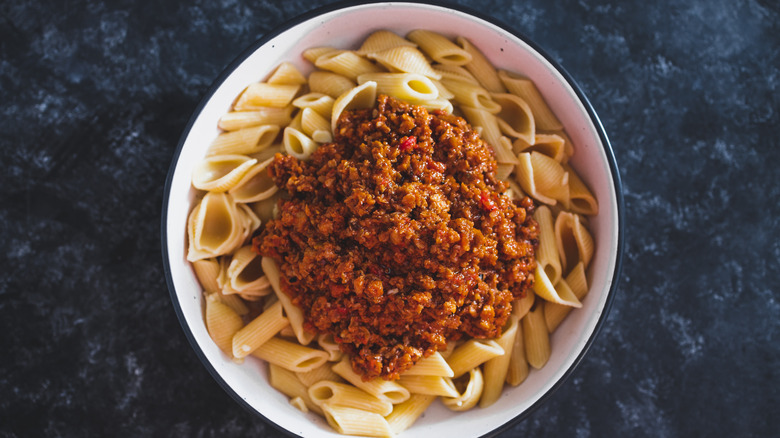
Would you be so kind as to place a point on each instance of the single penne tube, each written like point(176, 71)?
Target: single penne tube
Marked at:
point(219, 173)
point(244, 273)
point(311, 54)
point(581, 199)
point(296, 122)
point(256, 184)
point(346, 63)
point(481, 68)
point(311, 122)
point(471, 95)
point(404, 86)
point(521, 306)
point(383, 40)
point(322, 372)
point(577, 280)
point(430, 385)
point(290, 355)
point(545, 289)
point(535, 337)
point(444, 93)
point(504, 171)
point(207, 271)
point(293, 312)
point(222, 323)
point(439, 47)
point(340, 394)
point(471, 354)
point(515, 118)
point(547, 257)
point(542, 178)
point(472, 391)
point(380, 388)
point(454, 72)
point(405, 59)
point(433, 365)
point(439, 104)
point(361, 96)
point(524, 175)
point(554, 313)
point(326, 342)
point(213, 227)
point(552, 145)
point(322, 136)
point(235, 303)
point(286, 74)
point(525, 88)
point(236, 120)
point(329, 83)
point(495, 370)
point(351, 421)
point(298, 144)
point(406, 413)
point(286, 382)
point(491, 133)
point(574, 242)
point(319, 102)
point(243, 141)
point(259, 331)
point(518, 365)
point(261, 94)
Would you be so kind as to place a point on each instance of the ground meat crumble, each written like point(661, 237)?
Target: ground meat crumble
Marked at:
point(396, 237)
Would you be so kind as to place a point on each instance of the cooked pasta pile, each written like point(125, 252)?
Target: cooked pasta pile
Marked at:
point(247, 313)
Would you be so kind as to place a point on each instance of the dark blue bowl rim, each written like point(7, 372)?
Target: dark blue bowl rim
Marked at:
point(343, 5)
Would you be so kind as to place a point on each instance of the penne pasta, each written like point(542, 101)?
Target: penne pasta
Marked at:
point(405, 59)
point(581, 199)
point(298, 144)
point(542, 178)
point(319, 102)
point(260, 94)
point(574, 242)
point(536, 338)
point(411, 87)
point(518, 365)
point(214, 227)
point(379, 388)
point(326, 342)
point(259, 331)
point(491, 134)
point(547, 257)
point(290, 355)
point(351, 421)
point(222, 323)
point(236, 120)
point(526, 90)
point(207, 271)
point(471, 354)
point(521, 306)
point(382, 40)
point(433, 365)
point(515, 118)
point(312, 122)
point(346, 63)
point(288, 384)
point(454, 72)
point(439, 48)
point(293, 312)
point(496, 369)
point(430, 385)
point(481, 68)
point(554, 312)
point(328, 83)
point(255, 185)
point(471, 393)
point(406, 413)
point(362, 96)
point(219, 173)
point(322, 372)
point(244, 141)
point(470, 95)
point(311, 54)
point(340, 394)
point(286, 74)
point(245, 273)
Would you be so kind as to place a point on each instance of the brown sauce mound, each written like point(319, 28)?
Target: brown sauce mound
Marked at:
point(396, 237)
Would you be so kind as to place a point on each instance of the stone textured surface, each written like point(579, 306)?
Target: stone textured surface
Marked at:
point(95, 95)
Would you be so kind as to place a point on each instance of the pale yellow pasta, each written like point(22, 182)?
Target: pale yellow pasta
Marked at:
point(577, 280)
point(551, 145)
point(454, 72)
point(518, 365)
point(234, 302)
point(433, 365)
point(473, 353)
point(362, 96)
point(472, 391)
point(331, 84)
point(380, 388)
point(326, 342)
point(293, 312)
point(575, 244)
point(286, 74)
point(481, 68)
point(255, 185)
point(261, 94)
point(439, 47)
point(496, 369)
point(311, 54)
point(470, 95)
point(286, 382)
point(491, 133)
point(536, 338)
point(438, 104)
point(554, 312)
point(581, 199)
point(515, 118)
point(236, 120)
point(405, 59)
point(319, 102)
point(244, 141)
point(346, 63)
point(340, 394)
point(290, 355)
point(542, 178)
point(383, 40)
point(411, 87)
point(300, 404)
point(430, 385)
point(407, 412)
point(547, 257)
point(544, 288)
point(266, 209)
point(351, 421)
point(504, 170)
point(322, 372)
point(514, 191)
point(219, 173)
point(213, 227)
point(259, 330)
point(245, 274)
point(322, 136)
point(521, 306)
point(296, 122)
point(312, 122)
point(526, 89)
point(222, 323)
point(444, 93)
point(207, 271)
point(298, 144)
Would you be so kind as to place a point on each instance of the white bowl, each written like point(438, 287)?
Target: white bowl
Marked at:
point(346, 26)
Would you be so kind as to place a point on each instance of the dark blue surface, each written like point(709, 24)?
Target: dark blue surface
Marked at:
point(94, 97)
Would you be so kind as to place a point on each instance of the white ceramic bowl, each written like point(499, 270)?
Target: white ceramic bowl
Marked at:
point(345, 26)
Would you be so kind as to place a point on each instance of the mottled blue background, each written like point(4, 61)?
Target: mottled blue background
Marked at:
point(94, 96)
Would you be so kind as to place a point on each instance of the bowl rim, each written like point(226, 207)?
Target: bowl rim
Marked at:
point(233, 65)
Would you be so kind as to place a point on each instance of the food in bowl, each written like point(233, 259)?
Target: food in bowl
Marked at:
point(240, 199)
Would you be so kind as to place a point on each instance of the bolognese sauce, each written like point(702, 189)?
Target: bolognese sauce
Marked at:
point(397, 237)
